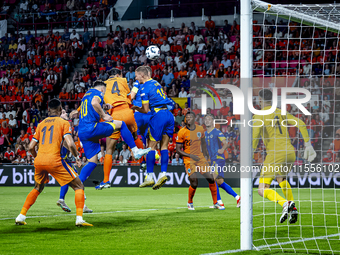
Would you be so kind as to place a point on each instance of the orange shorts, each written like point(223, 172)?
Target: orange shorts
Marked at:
point(123, 113)
point(193, 166)
point(63, 173)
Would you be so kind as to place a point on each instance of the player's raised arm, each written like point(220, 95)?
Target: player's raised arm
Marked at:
point(310, 153)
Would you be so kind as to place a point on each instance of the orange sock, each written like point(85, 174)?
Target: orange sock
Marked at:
point(191, 194)
point(30, 200)
point(107, 167)
point(213, 191)
point(139, 143)
point(80, 201)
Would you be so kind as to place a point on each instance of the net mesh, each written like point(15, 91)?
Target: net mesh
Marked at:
point(304, 53)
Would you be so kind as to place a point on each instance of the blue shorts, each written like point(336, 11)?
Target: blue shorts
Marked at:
point(90, 138)
point(161, 123)
point(142, 121)
point(219, 164)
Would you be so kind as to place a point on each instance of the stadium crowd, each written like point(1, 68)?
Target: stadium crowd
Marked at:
point(36, 69)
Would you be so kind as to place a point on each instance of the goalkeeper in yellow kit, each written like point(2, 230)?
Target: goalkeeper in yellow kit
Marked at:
point(280, 153)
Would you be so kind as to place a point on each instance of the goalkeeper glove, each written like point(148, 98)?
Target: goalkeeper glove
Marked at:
point(310, 153)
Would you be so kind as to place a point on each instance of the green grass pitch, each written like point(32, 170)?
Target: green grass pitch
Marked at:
point(144, 221)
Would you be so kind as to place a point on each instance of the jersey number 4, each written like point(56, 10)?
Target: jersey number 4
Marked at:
point(115, 89)
point(44, 134)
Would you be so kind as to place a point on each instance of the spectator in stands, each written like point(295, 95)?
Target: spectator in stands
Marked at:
point(177, 160)
point(130, 75)
point(165, 48)
point(9, 153)
point(125, 154)
point(183, 93)
point(87, 38)
point(179, 118)
point(68, 86)
point(66, 36)
point(209, 25)
point(139, 48)
point(74, 35)
point(168, 78)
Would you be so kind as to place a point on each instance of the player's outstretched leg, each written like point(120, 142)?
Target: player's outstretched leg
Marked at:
point(164, 162)
point(30, 200)
point(61, 202)
point(78, 187)
point(265, 191)
point(110, 147)
point(150, 162)
point(192, 190)
point(128, 138)
point(231, 192)
point(290, 205)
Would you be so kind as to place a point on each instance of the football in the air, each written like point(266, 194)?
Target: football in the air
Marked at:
point(152, 52)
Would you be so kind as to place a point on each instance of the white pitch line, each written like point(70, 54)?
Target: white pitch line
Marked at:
point(276, 244)
point(73, 214)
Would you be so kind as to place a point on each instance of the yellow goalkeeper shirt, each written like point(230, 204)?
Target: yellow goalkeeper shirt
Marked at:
point(273, 129)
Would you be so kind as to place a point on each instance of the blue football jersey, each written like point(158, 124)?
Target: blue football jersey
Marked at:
point(153, 94)
point(214, 140)
point(138, 99)
point(88, 115)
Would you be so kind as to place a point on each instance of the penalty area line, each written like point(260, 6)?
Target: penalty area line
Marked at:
point(95, 213)
point(276, 244)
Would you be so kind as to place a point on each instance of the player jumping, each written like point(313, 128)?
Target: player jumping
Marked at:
point(280, 154)
point(50, 133)
point(161, 125)
point(116, 95)
point(216, 145)
point(91, 130)
point(191, 139)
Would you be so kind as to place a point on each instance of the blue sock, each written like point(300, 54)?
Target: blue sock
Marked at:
point(150, 161)
point(127, 136)
point(63, 191)
point(228, 189)
point(164, 160)
point(86, 171)
point(218, 192)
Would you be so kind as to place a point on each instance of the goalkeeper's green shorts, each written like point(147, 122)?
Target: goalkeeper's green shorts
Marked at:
point(276, 164)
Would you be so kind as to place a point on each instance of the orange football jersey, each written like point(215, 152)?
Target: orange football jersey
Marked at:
point(191, 140)
point(117, 91)
point(50, 135)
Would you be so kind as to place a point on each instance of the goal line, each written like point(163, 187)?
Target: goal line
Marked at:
point(258, 248)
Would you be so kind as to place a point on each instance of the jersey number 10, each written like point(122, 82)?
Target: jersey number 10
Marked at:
point(83, 109)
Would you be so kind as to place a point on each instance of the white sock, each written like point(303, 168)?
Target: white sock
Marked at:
point(220, 201)
point(149, 176)
point(61, 200)
point(79, 218)
point(162, 174)
point(237, 197)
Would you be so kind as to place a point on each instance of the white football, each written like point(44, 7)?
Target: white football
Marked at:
point(152, 52)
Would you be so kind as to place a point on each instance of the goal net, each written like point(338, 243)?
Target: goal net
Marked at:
point(297, 46)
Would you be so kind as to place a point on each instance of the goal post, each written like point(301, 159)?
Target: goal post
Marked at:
point(318, 226)
point(246, 72)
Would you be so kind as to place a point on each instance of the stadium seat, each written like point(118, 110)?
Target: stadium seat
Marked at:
point(96, 4)
point(203, 31)
point(12, 1)
point(37, 79)
point(233, 38)
point(42, 7)
point(283, 64)
point(195, 57)
point(104, 44)
point(2, 72)
point(58, 7)
point(293, 63)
